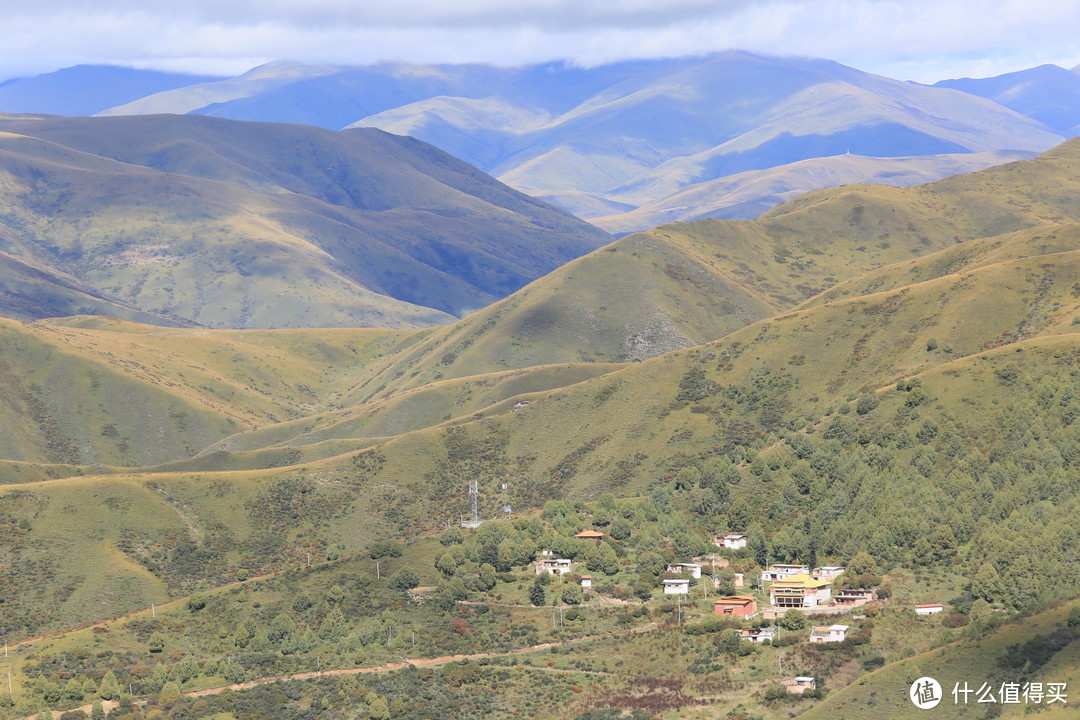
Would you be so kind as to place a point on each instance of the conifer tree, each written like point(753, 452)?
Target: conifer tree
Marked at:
point(109, 688)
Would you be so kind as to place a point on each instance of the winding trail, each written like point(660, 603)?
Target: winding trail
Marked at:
point(108, 705)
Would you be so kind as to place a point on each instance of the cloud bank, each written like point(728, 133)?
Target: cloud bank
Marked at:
point(924, 40)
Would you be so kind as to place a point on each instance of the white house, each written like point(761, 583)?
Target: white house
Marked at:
point(691, 568)
point(676, 587)
point(929, 609)
point(828, 573)
point(553, 566)
point(730, 542)
point(801, 684)
point(782, 571)
point(758, 635)
point(586, 582)
point(830, 633)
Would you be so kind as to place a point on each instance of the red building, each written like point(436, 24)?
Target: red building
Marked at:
point(740, 606)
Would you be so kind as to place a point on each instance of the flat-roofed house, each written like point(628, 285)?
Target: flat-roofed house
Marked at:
point(553, 566)
point(740, 606)
point(689, 568)
point(676, 587)
point(854, 597)
point(828, 633)
point(730, 542)
point(929, 609)
point(829, 572)
point(781, 571)
point(758, 635)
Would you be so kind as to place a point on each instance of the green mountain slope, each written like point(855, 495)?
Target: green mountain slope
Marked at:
point(863, 423)
point(357, 228)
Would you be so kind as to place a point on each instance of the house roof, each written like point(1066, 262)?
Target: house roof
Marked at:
point(734, 600)
point(589, 534)
point(930, 605)
point(676, 582)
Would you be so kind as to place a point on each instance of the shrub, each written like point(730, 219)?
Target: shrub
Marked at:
point(403, 579)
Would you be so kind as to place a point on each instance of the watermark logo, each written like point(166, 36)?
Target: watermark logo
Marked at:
point(925, 693)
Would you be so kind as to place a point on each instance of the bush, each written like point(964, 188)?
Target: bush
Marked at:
point(403, 579)
point(792, 620)
point(196, 602)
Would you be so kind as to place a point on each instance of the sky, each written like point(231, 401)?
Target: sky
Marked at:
point(921, 40)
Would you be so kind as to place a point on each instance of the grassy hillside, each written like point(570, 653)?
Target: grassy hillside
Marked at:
point(683, 284)
point(981, 657)
point(356, 228)
point(923, 413)
point(104, 391)
point(636, 428)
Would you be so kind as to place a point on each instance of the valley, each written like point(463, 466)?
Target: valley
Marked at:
point(877, 378)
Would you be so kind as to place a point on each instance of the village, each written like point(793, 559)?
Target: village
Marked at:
point(759, 608)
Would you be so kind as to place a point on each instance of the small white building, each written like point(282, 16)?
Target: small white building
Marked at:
point(782, 571)
point(827, 573)
point(730, 542)
point(690, 568)
point(740, 580)
point(676, 587)
point(758, 635)
point(553, 566)
point(830, 633)
point(801, 684)
point(586, 582)
point(855, 597)
point(929, 609)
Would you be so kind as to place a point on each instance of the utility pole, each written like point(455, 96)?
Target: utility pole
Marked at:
point(309, 559)
point(378, 573)
point(389, 634)
point(153, 611)
point(11, 689)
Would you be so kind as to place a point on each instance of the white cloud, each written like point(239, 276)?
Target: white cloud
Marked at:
point(914, 39)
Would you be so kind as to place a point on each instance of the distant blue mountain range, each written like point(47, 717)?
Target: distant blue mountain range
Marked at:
point(606, 141)
point(88, 89)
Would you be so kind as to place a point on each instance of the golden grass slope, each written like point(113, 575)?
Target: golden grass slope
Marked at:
point(104, 391)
